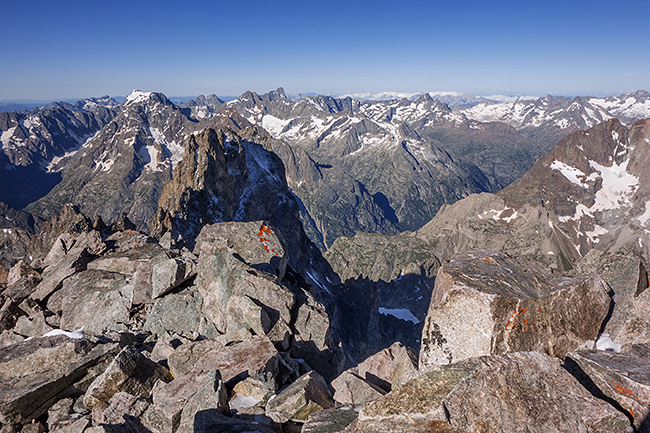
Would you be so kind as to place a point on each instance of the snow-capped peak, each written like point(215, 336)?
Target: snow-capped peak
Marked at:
point(137, 96)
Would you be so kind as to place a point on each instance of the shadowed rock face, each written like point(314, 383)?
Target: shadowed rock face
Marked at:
point(487, 303)
point(227, 176)
point(621, 379)
point(222, 177)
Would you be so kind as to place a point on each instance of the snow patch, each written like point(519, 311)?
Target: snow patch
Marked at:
point(605, 343)
point(571, 173)
point(595, 233)
point(617, 187)
point(274, 125)
point(242, 401)
point(645, 216)
point(400, 313)
point(316, 280)
point(5, 138)
point(79, 333)
point(175, 150)
point(104, 165)
point(137, 96)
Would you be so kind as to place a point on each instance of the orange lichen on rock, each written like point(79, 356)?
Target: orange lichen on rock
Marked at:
point(264, 230)
point(619, 389)
point(517, 318)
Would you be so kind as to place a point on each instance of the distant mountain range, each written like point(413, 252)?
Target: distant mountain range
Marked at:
point(376, 166)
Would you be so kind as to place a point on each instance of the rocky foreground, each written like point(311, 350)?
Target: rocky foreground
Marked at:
point(115, 331)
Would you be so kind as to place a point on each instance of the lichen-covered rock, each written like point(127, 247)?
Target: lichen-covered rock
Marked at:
point(254, 241)
point(34, 373)
point(20, 271)
point(94, 300)
point(212, 421)
point(137, 263)
point(329, 420)
point(487, 303)
point(494, 394)
point(130, 372)
point(123, 408)
point(178, 313)
point(32, 326)
point(168, 274)
point(74, 261)
point(227, 283)
point(623, 378)
point(296, 402)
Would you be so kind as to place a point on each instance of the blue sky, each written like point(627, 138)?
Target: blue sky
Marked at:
point(73, 49)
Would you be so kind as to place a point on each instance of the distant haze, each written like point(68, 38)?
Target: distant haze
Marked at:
point(75, 49)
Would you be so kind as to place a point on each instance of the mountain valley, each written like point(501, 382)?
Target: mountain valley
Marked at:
point(325, 264)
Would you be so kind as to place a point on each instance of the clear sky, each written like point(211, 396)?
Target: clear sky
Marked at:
point(73, 49)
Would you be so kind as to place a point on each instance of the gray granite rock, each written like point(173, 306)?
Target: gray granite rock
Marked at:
point(303, 397)
point(487, 303)
point(129, 372)
point(34, 374)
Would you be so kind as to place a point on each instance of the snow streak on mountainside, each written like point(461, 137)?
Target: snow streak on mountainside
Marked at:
point(37, 144)
point(350, 147)
point(558, 116)
point(125, 165)
point(354, 166)
point(589, 192)
point(373, 171)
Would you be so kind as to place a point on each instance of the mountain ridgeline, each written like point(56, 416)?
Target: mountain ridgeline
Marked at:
point(353, 166)
point(171, 277)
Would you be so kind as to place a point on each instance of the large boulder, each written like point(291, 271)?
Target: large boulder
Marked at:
point(493, 394)
point(296, 402)
point(179, 401)
point(390, 367)
point(34, 374)
point(94, 300)
point(137, 263)
point(622, 379)
point(254, 357)
point(626, 275)
point(74, 261)
point(331, 420)
point(487, 303)
point(130, 372)
point(376, 375)
point(254, 241)
point(237, 297)
point(179, 313)
point(351, 389)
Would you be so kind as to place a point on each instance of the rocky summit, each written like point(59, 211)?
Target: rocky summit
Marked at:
point(173, 276)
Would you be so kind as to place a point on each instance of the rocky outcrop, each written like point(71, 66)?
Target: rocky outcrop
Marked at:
point(527, 388)
point(352, 389)
point(256, 356)
point(222, 177)
point(178, 402)
point(626, 275)
point(259, 297)
point(35, 374)
point(487, 303)
point(621, 379)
